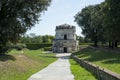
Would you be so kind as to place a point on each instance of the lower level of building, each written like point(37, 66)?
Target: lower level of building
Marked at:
point(65, 46)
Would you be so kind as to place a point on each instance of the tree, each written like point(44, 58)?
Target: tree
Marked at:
point(112, 22)
point(90, 21)
point(80, 39)
point(17, 16)
point(45, 38)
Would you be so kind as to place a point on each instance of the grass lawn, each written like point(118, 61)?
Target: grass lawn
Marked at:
point(105, 59)
point(20, 66)
point(79, 72)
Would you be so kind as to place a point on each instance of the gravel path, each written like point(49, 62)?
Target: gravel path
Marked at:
point(59, 70)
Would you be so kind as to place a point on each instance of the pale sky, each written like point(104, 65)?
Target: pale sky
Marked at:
point(60, 12)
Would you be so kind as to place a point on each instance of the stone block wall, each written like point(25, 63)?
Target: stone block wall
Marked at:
point(100, 73)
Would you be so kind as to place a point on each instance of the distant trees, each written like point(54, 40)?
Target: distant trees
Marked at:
point(16, 17)
point(101, 22)
point(36, 39)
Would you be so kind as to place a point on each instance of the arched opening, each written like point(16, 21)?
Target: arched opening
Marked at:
point(65, 36)
point(65, 49)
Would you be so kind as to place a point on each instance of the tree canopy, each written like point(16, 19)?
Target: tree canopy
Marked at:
point(90, 21)
point(101, 22)
point(17, 16)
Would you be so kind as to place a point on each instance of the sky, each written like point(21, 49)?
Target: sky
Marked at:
point(60, 12)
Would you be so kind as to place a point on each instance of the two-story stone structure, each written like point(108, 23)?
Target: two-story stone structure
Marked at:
point(65, 39)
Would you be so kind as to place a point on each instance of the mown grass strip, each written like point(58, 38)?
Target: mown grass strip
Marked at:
point(79, 72)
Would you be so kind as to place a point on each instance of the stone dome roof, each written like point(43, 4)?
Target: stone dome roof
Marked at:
point(65, 26)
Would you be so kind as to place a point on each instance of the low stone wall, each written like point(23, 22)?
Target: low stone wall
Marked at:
point(100, 73)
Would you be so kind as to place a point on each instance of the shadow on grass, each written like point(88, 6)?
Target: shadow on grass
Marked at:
point(94, 55)
point(5, 57)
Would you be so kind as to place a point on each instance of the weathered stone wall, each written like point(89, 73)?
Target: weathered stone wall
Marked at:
point(100, 73)
point(70, 43)
point(69, 32)
point(60, 44)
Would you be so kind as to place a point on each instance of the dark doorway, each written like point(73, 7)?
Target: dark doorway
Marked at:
point(65, 36)
point(65, 49)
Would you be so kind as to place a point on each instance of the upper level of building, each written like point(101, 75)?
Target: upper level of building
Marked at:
point(65, 32)
point(65, 26)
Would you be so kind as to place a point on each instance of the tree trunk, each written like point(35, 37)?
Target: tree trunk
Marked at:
point(95, 43)
point(110, 44)
point(116, 43)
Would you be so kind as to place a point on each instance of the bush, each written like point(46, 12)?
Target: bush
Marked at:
point(86, 44)
point(35, 46)
point(18, 46)
point(47, 48)
point(4, 49)
point(42, 49)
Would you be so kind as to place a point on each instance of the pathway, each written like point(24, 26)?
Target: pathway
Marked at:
point(59, 70)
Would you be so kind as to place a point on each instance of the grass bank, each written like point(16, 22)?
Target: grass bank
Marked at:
point(20, 65)
point(79, 72)
point(105, 59)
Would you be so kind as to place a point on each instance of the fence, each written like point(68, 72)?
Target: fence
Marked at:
point(100, 73)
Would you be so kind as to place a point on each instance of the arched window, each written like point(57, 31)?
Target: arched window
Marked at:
point(65, 36)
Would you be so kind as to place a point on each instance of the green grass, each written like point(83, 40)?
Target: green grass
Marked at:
point(20, 66)
point(105, 59)
point(79, 72)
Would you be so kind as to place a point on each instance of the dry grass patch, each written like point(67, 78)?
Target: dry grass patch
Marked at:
point(22, 66)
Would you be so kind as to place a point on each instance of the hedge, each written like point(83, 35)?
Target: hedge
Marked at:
point(47, 48)
point(34, 46)
point(85, 43)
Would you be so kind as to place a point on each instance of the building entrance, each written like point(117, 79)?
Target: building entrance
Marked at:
point(65, 49)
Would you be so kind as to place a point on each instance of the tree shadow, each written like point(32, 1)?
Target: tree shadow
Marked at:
point(112, 61)
point(6, 57)
point(93, 55)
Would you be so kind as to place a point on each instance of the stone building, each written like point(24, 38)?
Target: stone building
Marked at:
point(65, 39)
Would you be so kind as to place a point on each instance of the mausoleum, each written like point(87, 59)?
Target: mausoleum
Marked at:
point(65, 39)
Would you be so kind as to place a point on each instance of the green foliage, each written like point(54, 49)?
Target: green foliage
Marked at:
point(47, 48)
point(83, 39)
point(112, 19)
point(79, 72)
point(34, 46)
point(32, 38)
point(18, 46)
point(101, 22)
point(17, 16)
point(86, 44)
point(90, 21)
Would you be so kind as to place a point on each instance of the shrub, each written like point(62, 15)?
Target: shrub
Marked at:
point(47, 48)
point(42, 49)
point(34, 46)
point(20, 46)
point(86, 44)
